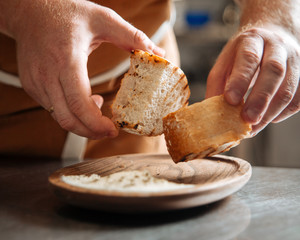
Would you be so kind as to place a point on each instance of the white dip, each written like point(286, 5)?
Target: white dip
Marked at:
point(127, 181)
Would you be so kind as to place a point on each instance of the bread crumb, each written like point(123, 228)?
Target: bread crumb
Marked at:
point(125, 181)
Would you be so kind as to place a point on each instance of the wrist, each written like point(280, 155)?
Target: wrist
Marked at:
point(272, 15)
point(261, 26)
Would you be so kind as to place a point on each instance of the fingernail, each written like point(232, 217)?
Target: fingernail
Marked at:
point(234, 97)
point(98, 105)
point(98, 100)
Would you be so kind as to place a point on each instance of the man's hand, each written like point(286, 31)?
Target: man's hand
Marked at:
point(265, 60)
point(54, 39)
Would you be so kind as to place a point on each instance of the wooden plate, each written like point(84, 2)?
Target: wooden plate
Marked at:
point(215, 178)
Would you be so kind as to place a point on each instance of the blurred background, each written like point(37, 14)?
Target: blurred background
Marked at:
point(202, 27)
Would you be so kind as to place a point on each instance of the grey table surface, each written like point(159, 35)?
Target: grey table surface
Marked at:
point(267, 207)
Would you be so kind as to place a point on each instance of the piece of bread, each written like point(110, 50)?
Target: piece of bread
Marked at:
point(152, 88)
point(204, 129)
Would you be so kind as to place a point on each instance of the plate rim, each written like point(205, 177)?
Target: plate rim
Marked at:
point(244, 177)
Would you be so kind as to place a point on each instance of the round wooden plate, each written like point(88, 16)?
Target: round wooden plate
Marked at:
point(215, 178)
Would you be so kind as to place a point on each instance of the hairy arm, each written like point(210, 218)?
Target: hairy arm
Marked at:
point(280, 13)
point(264, 56)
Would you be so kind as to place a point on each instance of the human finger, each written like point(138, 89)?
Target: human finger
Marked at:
point(270, 77)
point(220, 72)
point(249, 52)
point(61, 113)
point(291, 109)
point(77, 93)
point(123, 35)
point(41, 83)
point(282, 98)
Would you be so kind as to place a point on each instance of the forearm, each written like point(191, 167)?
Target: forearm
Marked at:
point(271, 12)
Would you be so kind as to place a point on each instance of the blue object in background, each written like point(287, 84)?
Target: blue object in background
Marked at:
point(197, 19)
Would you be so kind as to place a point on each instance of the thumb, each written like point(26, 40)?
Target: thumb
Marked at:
point(113, 28)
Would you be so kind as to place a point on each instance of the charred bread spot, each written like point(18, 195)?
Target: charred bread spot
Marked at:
point(175, 69)
point(124, 106)
point(122, 124)
point(152, 132)
point(136, 126)
point(119, 124)
point(136, 66)
point(181, 77)
point(186, 102)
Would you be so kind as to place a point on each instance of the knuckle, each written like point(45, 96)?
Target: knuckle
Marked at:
point(110, 14)
point(75, 103)
point(251, 56)
point(139, 37)
point(294, 106)
point(240, 80)
point(253, 31)
point(66, 123)
point(285, 96)
point(250, 36)
point(245, 76)
point(263, 97)
point(276, 67)
point(264, 122)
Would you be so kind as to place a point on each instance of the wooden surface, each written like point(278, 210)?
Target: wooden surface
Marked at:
point(213, 179)
point(267, 207)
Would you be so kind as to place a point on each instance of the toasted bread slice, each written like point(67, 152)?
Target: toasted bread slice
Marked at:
point(152, 88)
point(204, 129)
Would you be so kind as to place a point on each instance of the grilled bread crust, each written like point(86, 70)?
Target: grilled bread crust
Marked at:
point(204, 129)
point(152, 88)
